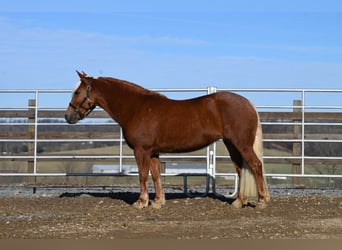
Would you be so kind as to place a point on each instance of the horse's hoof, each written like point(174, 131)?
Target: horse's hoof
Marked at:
point(237, 204)
point(140, 204)
point(158, 204)
point(268, 198)
point(261, 205)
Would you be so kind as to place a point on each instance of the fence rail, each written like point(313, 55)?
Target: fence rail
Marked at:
point(302, 135)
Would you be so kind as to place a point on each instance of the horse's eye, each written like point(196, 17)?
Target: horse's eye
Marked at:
point(76, 93)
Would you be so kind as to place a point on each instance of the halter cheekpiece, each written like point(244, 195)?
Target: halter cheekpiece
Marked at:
point(87, 100)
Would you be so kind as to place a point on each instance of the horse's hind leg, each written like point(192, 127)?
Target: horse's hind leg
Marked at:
point(159, 200)
point(255, 165)
point(237, 161)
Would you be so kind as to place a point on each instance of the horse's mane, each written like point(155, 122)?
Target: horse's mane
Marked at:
point(130, 85)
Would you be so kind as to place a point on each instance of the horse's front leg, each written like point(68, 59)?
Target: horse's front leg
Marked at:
point(159, 200)
point(143, 159)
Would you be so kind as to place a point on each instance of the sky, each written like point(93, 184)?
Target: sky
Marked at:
point(172, 44)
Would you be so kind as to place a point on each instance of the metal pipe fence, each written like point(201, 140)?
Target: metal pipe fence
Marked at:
point(291, 118)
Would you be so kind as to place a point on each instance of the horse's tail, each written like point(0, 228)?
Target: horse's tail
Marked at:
point(247, 186)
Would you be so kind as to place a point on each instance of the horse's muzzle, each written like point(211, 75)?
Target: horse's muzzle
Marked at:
point(71, 118)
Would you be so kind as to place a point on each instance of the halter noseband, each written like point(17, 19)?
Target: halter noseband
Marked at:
point(88, 110)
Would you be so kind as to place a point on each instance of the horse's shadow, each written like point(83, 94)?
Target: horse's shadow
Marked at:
point(131, 197)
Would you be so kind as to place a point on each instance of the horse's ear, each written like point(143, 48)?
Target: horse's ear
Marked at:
point(83, 76)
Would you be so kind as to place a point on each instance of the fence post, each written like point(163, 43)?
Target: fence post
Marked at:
point(31, 135)
point(296, 148)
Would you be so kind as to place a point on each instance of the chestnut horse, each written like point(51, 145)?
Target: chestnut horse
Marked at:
point(153, 124)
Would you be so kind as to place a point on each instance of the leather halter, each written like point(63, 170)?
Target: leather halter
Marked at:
point(88, 109)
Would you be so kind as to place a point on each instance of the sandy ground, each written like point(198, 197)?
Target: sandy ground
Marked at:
point(110, 215)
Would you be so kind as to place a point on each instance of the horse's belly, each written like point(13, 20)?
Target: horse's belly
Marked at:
point(185, 142)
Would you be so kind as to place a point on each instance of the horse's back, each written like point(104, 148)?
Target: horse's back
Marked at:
point(217, 109)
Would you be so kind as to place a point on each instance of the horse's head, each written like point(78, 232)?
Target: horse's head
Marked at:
point(81, 103)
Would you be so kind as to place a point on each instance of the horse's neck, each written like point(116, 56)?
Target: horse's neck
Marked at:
point(119, 100)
